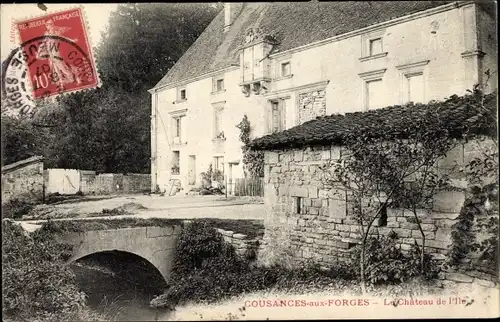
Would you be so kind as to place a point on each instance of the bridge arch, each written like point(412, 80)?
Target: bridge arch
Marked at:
point(156, 245)
point(125, 263)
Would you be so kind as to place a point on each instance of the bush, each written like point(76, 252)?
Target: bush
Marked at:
point(16, 208)
point(37, 285)
point(207, 270)
point(387, 264)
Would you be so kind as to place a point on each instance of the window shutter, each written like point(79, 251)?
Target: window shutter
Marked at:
point(183, 122)
point(283, 115)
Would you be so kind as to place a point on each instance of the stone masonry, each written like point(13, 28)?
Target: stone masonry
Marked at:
point(311, 105)
point(23, 180)
point(307, 220)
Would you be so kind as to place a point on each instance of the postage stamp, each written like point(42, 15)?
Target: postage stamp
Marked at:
point(54, 57)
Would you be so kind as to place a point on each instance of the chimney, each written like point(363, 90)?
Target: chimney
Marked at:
point(231, 11)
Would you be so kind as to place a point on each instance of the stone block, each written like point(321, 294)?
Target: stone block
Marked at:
point(267, 170)
point(450, 201)
point(313, 192)
point(454, 157)
point(337, 208)
point(326, 155)
point(335, 152)
point(344, 234)
point(484, 283)
point(429, 235)
point(459, 277)
point(409, 226)
point(428, 227)
point(298, 155)
point(240, 236)
point(283, 190)
point(297, 191)
point(402, 233)
point(393, 225)
point(272, 157)
point(313, 211)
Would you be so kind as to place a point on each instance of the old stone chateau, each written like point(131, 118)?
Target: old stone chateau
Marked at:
point(283, 64)
point(308, 219)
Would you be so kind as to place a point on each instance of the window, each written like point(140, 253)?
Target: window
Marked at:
point(298, 205)
point(286, 69)
point(175, 162)
point(413, 82)
point(277, 116)
point(177, 127)
point(218, 166)
point(374, 94)
point(415, 86)
point(183, 94)
point(382, 220)
point(219, 85)
point(372, 45)
point(218, 133)
point(375, 46)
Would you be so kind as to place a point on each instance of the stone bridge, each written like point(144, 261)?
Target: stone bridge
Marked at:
point(155, 244)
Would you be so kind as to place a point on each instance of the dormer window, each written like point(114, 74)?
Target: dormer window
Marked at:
point(181, 94)
point(254, 61)
point(219, 85)
point(372, 45)
point(286, 69)
point(375, 46)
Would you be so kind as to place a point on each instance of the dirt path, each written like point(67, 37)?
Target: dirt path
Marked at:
point(152, 206)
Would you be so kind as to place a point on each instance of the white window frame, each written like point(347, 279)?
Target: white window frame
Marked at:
point(178, 163)
point(282, 113)
point(413, 69)
point(217, 108)
point(278, 67)
point(366, 40)
point(215, 81)
point(178, 114)
point(179, 94)
point(282, 64)
point(370, 77)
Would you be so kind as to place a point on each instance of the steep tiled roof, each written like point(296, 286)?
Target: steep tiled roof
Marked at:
point(293, 23)
point(459, 114)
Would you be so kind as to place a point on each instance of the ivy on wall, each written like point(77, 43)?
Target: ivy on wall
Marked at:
point(253, 160)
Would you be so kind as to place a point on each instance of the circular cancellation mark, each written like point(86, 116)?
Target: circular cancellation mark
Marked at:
point(44, 66)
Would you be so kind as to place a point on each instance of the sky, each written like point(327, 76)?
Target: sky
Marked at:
point(97, 20)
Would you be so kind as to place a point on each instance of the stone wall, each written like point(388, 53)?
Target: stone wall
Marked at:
point(308, 220)
point(109, 183)
point(311, 105)
point(23, 180)
point(245, 246)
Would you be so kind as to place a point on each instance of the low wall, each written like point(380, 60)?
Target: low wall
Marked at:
point(23, 180)
point(111, 183)
point(308, 220)
point(244, 246)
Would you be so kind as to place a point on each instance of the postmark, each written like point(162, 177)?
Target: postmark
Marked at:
point(54, 57)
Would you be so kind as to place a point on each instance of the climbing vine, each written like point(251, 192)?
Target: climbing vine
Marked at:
point(480, 210)
point(253, 161)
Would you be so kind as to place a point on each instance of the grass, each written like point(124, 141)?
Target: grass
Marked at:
point(251, 228)
point(105, 224)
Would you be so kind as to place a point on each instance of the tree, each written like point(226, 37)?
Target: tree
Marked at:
point(108, 129)
point(390, 168)
point(253, 160)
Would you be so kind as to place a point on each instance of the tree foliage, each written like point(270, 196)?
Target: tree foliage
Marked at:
point(108, 129)
point(37, 285)
point(390, 169)
point(253, 160)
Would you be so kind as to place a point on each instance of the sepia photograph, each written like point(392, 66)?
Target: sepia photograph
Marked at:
point(225, 161)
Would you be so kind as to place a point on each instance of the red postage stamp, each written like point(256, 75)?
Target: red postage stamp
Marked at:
point(57, 53)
